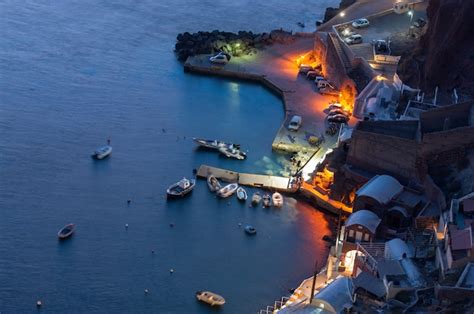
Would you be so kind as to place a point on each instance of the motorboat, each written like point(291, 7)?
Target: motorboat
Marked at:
point(256, 198)
point(213, 144)
point(228, 190)
point(250, 230)
point(267, 200)
point(102, 152)
point(181, 188)
point(277, 199)
point(213, 183)
point(66, 231)
point(232, 152)
point(241, 194)
point(210, 298)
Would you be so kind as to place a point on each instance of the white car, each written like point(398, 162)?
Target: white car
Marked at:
point(353, 39)
point(295, 123)
point(219, 58)
point(360, 23)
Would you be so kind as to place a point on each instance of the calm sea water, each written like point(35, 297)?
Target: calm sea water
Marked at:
point(74, 73)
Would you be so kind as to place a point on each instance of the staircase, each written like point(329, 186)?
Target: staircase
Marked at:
point(276, 306)
point(340, 52)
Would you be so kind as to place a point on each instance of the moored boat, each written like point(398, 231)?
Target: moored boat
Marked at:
point(102, 152)
point(228, 190)
point(213, 144)
point(213, 183)
point(210, 298)
point(250, 230)
point(256, 198)
point(181, 188)
point(241, 194)
point(231, 152)
point(66, 231)
point(277, 199)
point(267, 200)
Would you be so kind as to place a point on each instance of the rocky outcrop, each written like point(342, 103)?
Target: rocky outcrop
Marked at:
point(236, 44)
point(332, 12)
point(444, 56)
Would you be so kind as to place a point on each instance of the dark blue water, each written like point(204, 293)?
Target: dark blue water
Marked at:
point(72, 74)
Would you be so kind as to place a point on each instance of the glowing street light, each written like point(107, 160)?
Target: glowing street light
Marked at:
point(342, 14)
point(410, 13)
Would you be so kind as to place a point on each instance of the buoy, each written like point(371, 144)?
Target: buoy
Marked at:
point(126, 226)
point(39, 303)
point(129, 201)
point(171, 225)
point(152, 251)
point(146, 291)
point(171, 270)
point(240, 224)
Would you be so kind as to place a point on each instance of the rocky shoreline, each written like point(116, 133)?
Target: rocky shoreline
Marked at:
point(236, 44)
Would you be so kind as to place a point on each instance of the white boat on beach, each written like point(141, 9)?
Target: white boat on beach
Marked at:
point(241, 194)
point(256, 198)
point(213, 184)
point(277, 199)
point(210, 298)
point(232, 152)
point(267, 200)
point(102, 152)
point(181, 188)
point(228, 190)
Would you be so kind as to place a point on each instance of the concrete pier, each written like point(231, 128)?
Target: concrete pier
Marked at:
point(273, 183)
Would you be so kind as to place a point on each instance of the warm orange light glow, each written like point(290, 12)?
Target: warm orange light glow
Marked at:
point(380, 77)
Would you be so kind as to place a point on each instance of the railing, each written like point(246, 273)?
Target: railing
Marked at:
point(276, 306)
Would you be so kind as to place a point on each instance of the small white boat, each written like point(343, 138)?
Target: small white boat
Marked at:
point(256, 198)
point(102, 152)
point(181, 188)
point(277, 199)
point(267, 200)
point(213, 183)
point(228, 190)
point(231, 152)
point(250, 230)
point(241, 194)
point(210, 298)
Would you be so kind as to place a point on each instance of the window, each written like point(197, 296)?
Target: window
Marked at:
point(366, 237)
point(351, 233)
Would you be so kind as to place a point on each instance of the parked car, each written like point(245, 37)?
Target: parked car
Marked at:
point(305, 68)
point(339, 111)
point(339, 118)
point(220, 58)
point(295, 123)
point(353, 39)
point(329, 91)
point(381, 46)
point(420, 23)
point(360, 23)
point(313, 74)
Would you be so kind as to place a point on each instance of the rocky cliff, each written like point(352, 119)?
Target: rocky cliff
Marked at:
point(444, 56)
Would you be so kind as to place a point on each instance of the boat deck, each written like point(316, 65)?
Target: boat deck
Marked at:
point(254, 180)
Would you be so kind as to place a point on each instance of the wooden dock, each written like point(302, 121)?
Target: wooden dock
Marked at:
point(281, 184)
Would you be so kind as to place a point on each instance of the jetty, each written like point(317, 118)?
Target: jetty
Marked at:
point(274, 183)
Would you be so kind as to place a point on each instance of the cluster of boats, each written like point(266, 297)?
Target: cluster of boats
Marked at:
point(227, 149)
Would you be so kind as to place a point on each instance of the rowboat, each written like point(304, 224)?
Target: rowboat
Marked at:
point(210, 298)
point(213, 183)
point(181, 188)
point(241, 194)
point(227, 190)
point(256, 198)
point(277, 199)
point(102, 152)
point(267, 200)
point(66, 231)
point(250, 230)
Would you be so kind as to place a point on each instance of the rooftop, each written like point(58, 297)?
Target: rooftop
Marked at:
point(338, 295)
point(364, 218)
point(397, 249)
point(466, 280)
point(447, 117)
point(404, 129)
point(370, 283)
point(382, 188)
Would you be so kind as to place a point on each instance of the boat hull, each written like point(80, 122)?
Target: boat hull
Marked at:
point(174, 191)
point(228, 190)
point(66, 232)
point(210, 298)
